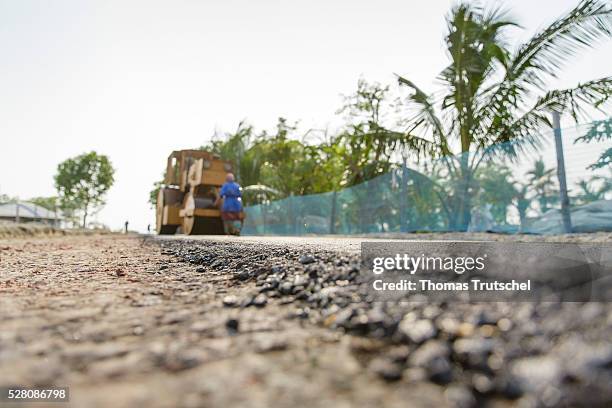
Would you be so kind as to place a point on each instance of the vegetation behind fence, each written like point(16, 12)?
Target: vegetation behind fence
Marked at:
point(497, 189)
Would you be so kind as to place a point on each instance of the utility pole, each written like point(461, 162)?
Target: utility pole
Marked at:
point(565, 204)
point(332, 220)
point(404, 197)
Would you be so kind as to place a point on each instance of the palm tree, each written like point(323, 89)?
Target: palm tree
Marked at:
point(493, 99)
point(496, 188)
point(522, 203)
point(234, 147)
point(542, 182)
point(596, 188)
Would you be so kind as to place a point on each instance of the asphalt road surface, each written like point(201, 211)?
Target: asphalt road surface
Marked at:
point(352, 244)
point(268, 321)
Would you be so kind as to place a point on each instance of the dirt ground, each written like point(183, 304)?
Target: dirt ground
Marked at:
point(123, 325)
point(129, 321)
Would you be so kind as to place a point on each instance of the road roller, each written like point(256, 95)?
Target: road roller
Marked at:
point(187, 199)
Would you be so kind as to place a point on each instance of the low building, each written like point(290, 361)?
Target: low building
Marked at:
point(23, 211)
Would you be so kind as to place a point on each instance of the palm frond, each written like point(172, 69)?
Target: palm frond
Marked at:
point(549, 50)
point(599, 131)
point(526, 132)
point(593, 93)
point(543, 56)
point(604, 160)
point(419, 145)
point(477, 49)
point(426, 116)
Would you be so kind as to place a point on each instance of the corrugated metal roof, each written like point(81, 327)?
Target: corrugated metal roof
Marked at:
point(27, 210)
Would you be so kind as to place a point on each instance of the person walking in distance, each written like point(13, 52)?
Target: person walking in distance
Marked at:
point(231, 210)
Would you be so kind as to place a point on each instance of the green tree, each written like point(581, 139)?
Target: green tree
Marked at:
point(278, 161)
point(82, 183)
point(235, 147)
point(155, 191)
point(497, 189)
point(427, 208)
point(493, 100)
point(368, 144)
point(287, 164)
point(281, 161)
point(363, 150)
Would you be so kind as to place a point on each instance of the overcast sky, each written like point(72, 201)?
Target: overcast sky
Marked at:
point(138, 79)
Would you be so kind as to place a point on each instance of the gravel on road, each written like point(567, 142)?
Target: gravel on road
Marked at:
point(128, 321)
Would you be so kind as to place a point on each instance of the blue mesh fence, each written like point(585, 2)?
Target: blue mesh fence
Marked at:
point(507, 188)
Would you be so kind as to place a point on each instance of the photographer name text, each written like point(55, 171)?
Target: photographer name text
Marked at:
point(458, 265)
point(431, 286)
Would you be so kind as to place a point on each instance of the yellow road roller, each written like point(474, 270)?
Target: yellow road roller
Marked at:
point(187, 200)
